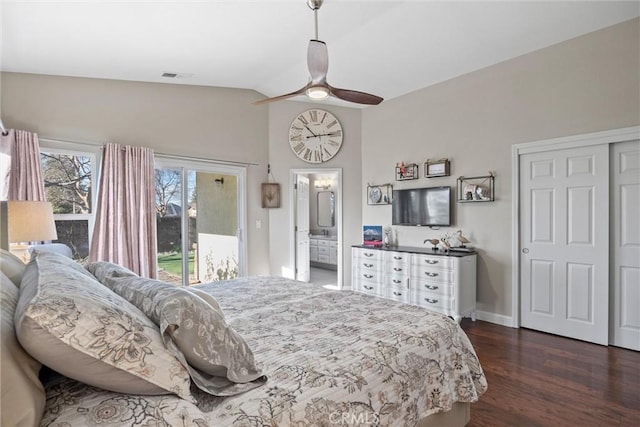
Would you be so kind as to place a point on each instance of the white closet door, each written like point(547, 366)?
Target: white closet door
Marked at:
point(564, 257)
point(625, 267)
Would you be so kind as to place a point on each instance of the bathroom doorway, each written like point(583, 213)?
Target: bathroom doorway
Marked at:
point(323, 254)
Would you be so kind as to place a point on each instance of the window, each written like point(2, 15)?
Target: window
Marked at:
point(69, 182)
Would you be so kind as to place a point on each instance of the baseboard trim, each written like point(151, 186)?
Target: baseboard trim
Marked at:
point(498, 319)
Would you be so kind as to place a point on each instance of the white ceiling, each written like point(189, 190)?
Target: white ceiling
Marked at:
point(388, 48)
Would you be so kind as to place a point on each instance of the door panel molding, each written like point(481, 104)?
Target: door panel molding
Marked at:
point(581, 140)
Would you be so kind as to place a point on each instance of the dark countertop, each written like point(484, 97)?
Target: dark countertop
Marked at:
point(416, 250)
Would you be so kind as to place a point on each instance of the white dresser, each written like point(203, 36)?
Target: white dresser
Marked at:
point(441, 282)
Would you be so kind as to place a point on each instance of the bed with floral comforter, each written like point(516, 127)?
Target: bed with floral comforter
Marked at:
point(331, 358)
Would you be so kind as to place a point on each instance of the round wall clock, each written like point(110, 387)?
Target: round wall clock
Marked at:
point(315, 136)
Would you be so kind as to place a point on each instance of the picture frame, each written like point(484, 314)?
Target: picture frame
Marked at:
point(437, 168)
point(270, 195)
point(406, 171)
point(379, 194)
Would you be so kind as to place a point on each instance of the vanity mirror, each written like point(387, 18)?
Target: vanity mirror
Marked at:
point(326, 209)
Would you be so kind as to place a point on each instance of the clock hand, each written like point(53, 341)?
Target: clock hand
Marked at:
point(310, 131)
point(329, 134)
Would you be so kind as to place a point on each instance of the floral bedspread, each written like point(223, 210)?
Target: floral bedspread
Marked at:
point(332, 358)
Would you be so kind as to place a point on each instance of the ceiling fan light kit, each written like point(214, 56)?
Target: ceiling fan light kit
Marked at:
point(318, 92)
point(318, 64)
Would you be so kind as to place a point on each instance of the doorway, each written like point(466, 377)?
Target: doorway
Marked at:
point(317, 254)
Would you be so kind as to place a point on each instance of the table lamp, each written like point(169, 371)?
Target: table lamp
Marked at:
point(27, 221)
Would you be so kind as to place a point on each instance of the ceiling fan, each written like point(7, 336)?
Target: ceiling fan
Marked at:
point(318, 64)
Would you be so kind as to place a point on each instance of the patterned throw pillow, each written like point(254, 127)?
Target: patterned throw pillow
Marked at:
point(219, 360)
point(70, 322)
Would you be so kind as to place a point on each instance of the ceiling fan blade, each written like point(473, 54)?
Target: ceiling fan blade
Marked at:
point(317, 60)
point(355, 96)
point(278, 98)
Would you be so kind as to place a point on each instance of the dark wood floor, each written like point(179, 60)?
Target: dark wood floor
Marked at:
point(538, 379)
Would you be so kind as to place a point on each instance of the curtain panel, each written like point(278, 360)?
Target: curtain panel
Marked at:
point(20, 169)
point(125, 223)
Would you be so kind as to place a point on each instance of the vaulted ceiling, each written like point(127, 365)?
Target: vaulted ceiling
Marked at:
point(388, 48)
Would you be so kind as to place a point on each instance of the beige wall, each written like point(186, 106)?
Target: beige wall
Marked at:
point(213, 123)
point(282, 159)
point(583, 85)
point(587, 84)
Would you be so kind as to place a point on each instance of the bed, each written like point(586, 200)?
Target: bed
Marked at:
point(326, 358)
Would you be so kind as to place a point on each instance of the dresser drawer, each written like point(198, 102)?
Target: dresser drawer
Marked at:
point(433, 302)
point(397, 258)
point(368, 264)
point(323, 258)
point(395, 281)
point(369, 254)
point(432, 288)
point(322, 242)
point(369, 275)
point(433, 261)
point(400, 295)
point(323, 250)
point(369, 287)
point(432, 274)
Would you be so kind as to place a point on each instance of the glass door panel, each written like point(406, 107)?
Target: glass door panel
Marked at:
point(169, 224)
point(213, 225)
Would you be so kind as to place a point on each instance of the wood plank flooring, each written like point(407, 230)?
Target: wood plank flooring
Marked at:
point(538, 379)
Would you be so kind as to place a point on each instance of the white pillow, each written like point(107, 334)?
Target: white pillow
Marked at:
point(23, 395)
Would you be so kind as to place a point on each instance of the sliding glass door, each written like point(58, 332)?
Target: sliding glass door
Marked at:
point(200, 220)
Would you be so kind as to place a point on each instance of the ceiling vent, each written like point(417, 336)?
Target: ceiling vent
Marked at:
point(177, 75)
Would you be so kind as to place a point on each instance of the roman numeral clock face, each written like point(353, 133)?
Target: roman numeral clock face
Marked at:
point(315, 136)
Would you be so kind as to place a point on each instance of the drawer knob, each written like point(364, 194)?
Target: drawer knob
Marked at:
point(368, 254)
point(398, 294)
point(433, 288)
point(397, 269)
point(397, 281)
point(429, 261)
point(431, 301)
point(368, 265)
point(431, 274)
point(368, 276)
point(397, 257)
point(369, 288)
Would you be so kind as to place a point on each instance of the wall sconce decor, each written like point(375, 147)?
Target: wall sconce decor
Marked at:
point(322, 183)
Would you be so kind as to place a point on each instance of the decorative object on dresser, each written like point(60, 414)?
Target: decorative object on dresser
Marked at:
point(379, 194)
point(372, 235)
point(441, 282)
point(434, 243)
point(436, 168)
point(476, 188)
point(463, 240)
point(406, 171)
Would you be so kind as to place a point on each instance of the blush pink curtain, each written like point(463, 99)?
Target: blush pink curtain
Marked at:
point(20, 169)
point(125, 225)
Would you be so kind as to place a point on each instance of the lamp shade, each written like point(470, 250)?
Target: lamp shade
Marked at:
point(30, 221)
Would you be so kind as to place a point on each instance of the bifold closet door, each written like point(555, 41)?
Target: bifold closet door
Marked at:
point(625, 245)
point(564, 238)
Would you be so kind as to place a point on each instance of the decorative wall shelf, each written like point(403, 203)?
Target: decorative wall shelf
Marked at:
point(436, 168)
point(379, 194)
point(472, 189)
point(405, 172)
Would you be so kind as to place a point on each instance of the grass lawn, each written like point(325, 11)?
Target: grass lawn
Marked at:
point(172, 262)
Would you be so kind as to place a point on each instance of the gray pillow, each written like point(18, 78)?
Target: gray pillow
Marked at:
point(70, 322)
point(23, 396)
point(219, 360)
point(11, 266)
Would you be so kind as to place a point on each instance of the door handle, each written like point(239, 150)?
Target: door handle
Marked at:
point(525, 250)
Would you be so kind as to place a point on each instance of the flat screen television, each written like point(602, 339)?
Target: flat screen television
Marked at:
point(422, 206)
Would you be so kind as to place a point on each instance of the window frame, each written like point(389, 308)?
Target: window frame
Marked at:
point(50, 146)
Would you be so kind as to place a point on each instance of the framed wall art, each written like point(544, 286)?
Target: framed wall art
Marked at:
point(270, 195)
